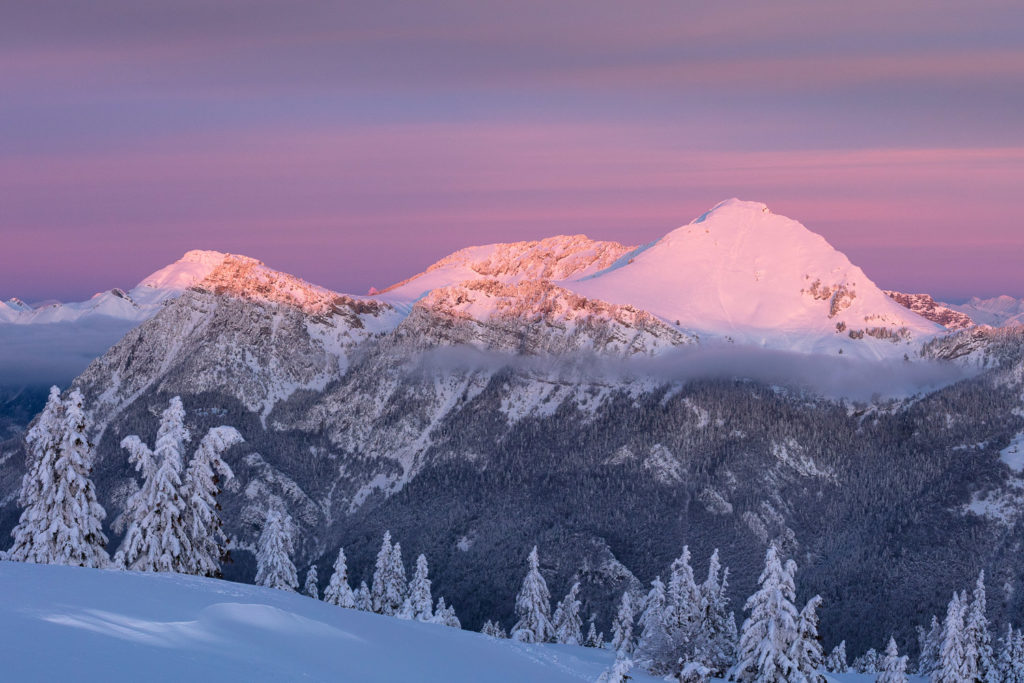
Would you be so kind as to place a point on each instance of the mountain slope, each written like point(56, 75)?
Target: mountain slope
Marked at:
point(68, 623)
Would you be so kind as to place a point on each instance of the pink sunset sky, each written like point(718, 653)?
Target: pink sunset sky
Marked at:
point(354, 143)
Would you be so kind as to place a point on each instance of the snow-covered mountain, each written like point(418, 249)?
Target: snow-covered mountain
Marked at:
point(136, 304)
point(1000, 311)
point(738, 273)
point(742, 273)
point(582, 395)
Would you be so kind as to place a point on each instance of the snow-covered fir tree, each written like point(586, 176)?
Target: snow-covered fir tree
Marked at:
point(953, 666)
point(566, 622)
point(62, 521)
point(338, 591)
point(420, 600)
point(693, 672)
point(622, 626)
point(388, 591)
point(930, 642)
point(654, 650)
point(206, 474)
point(867, 663)
point(893, 667)
point(493, 629)
point(396, 587)
point(158, 538)
point(619, 670)
point(274, 567)
point(406, 612)
point(1010, 664)
point(836, 660)
point(715, 642)
point(445, 615)
point(978, 637)
point(682, 610)
point(381, 572)
point(594, 639)
point(310, 587)
point(364, 598)
point(43, 441)
point(767, 635)
point(533, 606)
point(806, 653)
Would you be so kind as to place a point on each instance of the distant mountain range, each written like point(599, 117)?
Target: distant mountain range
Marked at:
point(734, 383)
point(738, 274)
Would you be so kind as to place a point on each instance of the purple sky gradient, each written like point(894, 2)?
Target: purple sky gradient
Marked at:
point(355, 143)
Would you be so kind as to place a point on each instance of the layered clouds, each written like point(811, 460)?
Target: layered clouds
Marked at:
point(322, 135)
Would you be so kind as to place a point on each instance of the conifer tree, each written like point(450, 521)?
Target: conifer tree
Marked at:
point(654, 648)
point(338, 591)
point(388, 578)
point(396, 586)
point(952, 665)
point(977, 632)
point(894, 667)
point(867, 663)
point(715, 642)
point(364, 598)
point(836, 660)
point(769, 632)
point(683, 597)
point(158, 538)
point(62, 520)
point(566, 622)
point(594, 639)
point(274, 567)
point(805, 652)
point(1010, 665)
point(1018, 656)
point(445, 615)
point(420, 600)
point(311, 588)
point(533, 606)
point(493, 629)
point(622, 626)
point(619, 670)
point(206, 474)
point(930, 643)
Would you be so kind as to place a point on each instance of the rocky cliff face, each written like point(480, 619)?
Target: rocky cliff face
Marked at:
point(927, 307)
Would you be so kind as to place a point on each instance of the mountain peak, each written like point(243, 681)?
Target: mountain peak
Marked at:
point(187, 271)
point(741, 273)
point(735, 208)
point(203, 256)
point(561, 257)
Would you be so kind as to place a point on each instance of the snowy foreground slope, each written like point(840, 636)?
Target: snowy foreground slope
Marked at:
point(69, 623)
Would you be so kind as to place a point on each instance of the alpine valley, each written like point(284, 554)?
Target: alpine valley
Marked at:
point(735, 383)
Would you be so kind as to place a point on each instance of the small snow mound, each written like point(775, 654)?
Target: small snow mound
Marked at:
point(732, 206)
point(205, 256)
point(186, 271)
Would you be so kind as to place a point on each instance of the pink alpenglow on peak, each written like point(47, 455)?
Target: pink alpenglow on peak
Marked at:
point(186, 271)
point(740, 273)
point(138, 304)
point(561, 257)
